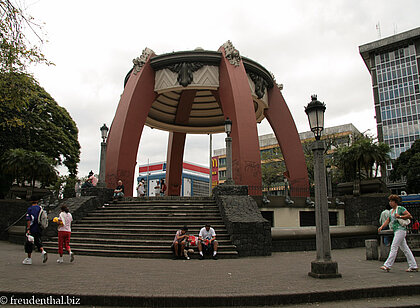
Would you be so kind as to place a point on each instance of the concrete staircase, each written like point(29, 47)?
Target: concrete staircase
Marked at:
point(145, 228)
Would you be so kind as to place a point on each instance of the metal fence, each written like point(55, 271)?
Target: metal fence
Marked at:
point(280, 190)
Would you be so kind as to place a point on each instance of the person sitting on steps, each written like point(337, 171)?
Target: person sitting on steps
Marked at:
point(179, 243)
point(207, 242)
point(119, 191)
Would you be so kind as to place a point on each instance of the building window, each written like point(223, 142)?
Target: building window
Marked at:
point(222, 162)
point(222, 174)
point(200, 188)
point(269, 215)
point(307, 218)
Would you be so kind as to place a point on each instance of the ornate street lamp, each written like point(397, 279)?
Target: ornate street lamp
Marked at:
point(323, 266)
point(228, 140)
point(315, 111)
point(104, 134)
point(228, 127)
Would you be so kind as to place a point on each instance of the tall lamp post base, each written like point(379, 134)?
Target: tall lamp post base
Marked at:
point(324, 269)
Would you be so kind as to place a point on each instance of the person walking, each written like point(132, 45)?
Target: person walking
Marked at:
point(33, 233)
point(384, 216)
point(398, 212)
point(140, 189)
point(64, 232)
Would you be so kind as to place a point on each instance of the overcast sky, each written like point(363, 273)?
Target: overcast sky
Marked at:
point(311, 47)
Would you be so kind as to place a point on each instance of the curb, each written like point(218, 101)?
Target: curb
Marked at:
point(223, 300)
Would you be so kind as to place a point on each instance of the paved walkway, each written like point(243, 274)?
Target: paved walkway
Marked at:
point(279, 279)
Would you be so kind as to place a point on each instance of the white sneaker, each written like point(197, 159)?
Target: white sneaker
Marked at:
point(60, 260)
point(27, 261)
point(44, 256)
point(71, 257)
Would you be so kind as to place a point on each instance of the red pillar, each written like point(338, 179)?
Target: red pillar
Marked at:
point(176, 144)
point(281, 120)
point(127, 126)
point(175, 157)
point(237, 103)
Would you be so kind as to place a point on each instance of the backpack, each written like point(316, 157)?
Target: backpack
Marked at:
point(42, 219)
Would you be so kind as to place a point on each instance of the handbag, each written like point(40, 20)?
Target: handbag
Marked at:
point(403, 222)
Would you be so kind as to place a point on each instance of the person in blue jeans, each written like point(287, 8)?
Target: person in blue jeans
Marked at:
point(119, 190)
point(398, 212)
point(384, 216)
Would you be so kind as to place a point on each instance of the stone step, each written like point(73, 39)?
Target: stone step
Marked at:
point(160, 205)
point(137, 254)
point(111, 229)
point(176, 224)
point(151, 227)
point(153, 215)
point(136, 236)
point(107, 210)
point(153, 242)
point(178, 221)
point(168, 208)
point(100, 246)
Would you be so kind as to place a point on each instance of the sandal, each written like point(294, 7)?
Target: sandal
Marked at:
point(412, 270)
point(384, 268)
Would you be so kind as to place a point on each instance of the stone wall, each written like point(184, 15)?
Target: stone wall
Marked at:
point(303, 239)
point(249, 231)
point(79, 207)
point(104, 194)
point(364, 210)
point(11, 211)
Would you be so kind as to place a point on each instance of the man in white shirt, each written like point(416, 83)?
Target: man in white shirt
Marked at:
point(207, 241)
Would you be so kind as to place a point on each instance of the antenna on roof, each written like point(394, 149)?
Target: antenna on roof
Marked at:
point(378, 28)
point(395, 29)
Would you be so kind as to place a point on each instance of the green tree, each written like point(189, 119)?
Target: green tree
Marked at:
point(408, 165)
point(361, 158)
point(16, 49)
point(28, 166)
point(45, 126)
point(16, 53)
point(413, 175)
point(272, 166)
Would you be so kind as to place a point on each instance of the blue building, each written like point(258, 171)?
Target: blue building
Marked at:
point(195, 178)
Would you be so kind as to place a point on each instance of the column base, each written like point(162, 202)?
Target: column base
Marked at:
point(324, 269)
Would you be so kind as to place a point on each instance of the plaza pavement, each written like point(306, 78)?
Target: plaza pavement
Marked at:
point(280, 279)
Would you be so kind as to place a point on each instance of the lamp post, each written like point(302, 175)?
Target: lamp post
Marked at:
point(228, 140)
point(104, 134)
point(323, 266)
point(329, 181)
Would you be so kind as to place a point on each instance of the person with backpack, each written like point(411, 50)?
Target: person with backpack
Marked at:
point(398, 220)
point(64, 232)
point(34, 216)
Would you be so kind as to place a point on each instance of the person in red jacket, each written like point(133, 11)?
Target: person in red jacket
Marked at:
point(415, 227)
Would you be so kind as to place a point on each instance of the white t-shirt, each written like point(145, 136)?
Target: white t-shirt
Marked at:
point(66, 218)
point(140, 189)
point(207, 235)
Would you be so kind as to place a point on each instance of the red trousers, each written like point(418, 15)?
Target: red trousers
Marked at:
point(63, 239)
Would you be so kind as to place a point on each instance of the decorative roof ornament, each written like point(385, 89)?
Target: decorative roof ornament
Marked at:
point(140, 61)
point(185, 71)
point(260, 84)
point(232, 54)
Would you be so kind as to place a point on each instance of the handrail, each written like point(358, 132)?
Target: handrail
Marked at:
point(7, 229)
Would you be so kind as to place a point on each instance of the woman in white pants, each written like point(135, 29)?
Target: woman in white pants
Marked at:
point(399, 235)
